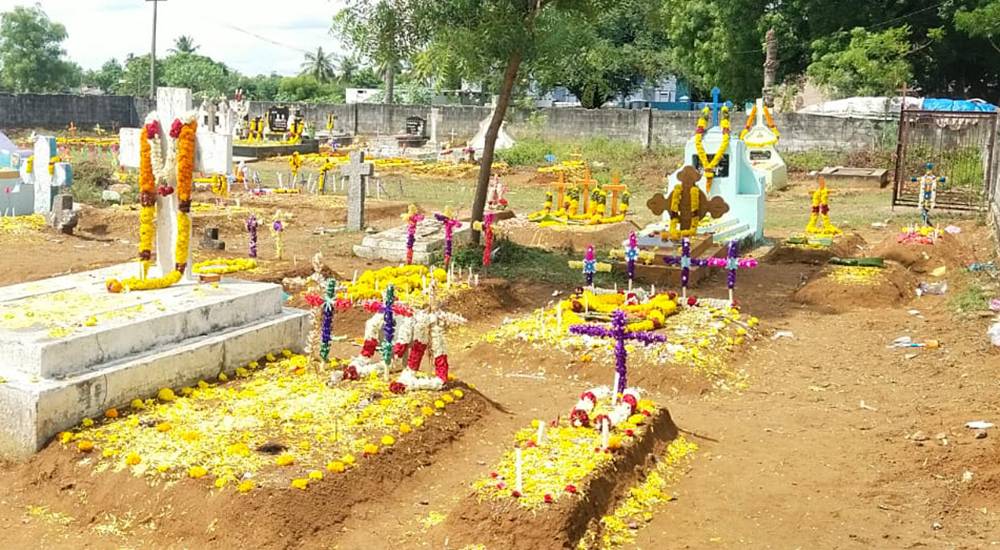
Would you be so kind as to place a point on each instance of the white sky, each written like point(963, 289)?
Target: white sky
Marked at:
point(101, 29)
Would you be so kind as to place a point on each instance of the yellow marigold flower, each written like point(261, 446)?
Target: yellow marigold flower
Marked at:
point(471, 386)
point(316, 474)
point(347, 459)
point(286, 353)
point(336, 467)
point(458, 393)
point(242, 372)
point(238, 449)
point(132, 459)
point(253, 365)
point(388, 420)
point(111, 413)
point(615, 442)
point(585, 358)
point(166, 394)
point(270, 357)
point(404, 428)
point(163, 427)
point(223, 377)
point(187, 391)
point(137, 404)
point(245, 487)
point(108, 453)
point(387, 440)
point(285, 460)
point(447, 398)
point(162, 468)
point(197, 472)
point(221, 482)
point(85, 446)
point(451, 377)
point(427, 411)
point(203, 385)
point(300, 483)
point(190, 436)
point(371, 449)
point(65, 437)
point(439, 404)
point(87, 422)
point(417, 422)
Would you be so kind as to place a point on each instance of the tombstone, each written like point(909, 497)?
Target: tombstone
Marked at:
point(62, 217)
point(356, 171)
point(206, 115)
point(416, 126)
point(763, 157)
point(210, 240)
point(277, 119)
point(44, 185)
point(213, 154)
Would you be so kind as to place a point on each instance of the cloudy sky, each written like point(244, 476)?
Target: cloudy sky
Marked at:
point(253, 36)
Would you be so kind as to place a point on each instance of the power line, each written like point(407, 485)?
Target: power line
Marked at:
point(265, 39)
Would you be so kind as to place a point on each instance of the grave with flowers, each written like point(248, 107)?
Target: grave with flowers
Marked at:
point(80, 343)
point(562, 475)
point(417, 240)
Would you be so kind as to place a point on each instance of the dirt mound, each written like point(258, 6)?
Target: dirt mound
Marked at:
point(196, 516)
point(894, 287)
point(921, 258)
point(847, 246)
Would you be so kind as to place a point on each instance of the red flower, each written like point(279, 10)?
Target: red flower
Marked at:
point(571, 489)
point(692, 300)
point(351, 373)
point(531, 444)
point(629, 433)
point(175, 128)
point(515, 493)
point(672, 295)
point(152, 129)
point(579, 417)
point(646, 413)
point(503, 202)
point(577, 306)
point(397, 387)
point(630, 399)
point(548, 498)
point(500, 486)
point(736, 304)
point(494, 475)
point(314, 300)
point(165, 190)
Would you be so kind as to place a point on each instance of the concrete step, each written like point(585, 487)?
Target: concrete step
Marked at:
point(37, 409)
point(730, 233)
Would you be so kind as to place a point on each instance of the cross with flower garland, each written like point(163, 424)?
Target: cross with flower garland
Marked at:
point(590, 265)
point(620, 335)
point(733, 263)
point(412, 218)
point(486, 227)
point(450, 224)
point(631, 255)
point(686, 262)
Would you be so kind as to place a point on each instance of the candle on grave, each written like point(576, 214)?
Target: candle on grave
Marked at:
point(604, 433)
point(517, 466)
point(652, 290)
point(355, 278)
point(541, 433)
point(476, 279)
point(614, 389)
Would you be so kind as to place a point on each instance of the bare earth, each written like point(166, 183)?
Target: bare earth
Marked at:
point(817, 452)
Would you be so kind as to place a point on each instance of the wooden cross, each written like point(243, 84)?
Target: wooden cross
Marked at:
point(561, 186)
point(585, 184)
point(576, 154)
point(614, 188)
point(688, 176)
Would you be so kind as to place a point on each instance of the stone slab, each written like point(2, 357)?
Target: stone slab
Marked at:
point(60, 343)
point(260, 152)
point(845, 177)
point(35, 411)
point(390, 245)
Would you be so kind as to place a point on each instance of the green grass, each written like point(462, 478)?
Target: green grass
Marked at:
point(972, 298)
point(91, 178)
point(516, 262)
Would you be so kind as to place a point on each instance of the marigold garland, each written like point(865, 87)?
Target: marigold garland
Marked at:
point(675, 206)
point(223, 266)
point(770, 124)
point(821, 209)
point(707, 165)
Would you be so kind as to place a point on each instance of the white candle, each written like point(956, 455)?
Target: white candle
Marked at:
point(604, 433)
point(517, 462)
point(652, 290)
point(731, 301)
point(586, 304)
point(541, 433)
point(630, 285)
point(355, 278)
point(614, 390)
point(616, 287)
point(476, 279)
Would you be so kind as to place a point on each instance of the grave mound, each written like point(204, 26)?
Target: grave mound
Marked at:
point(840, 289)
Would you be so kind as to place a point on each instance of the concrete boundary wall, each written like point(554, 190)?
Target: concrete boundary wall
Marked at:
point(643, 126)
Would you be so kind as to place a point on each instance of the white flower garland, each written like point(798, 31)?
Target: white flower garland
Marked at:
point(617, 415)
point(410, 379)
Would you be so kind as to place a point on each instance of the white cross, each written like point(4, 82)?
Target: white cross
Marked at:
point(40, 179)
point(213, 154)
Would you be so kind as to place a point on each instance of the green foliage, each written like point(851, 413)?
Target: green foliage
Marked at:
point(863, 62)
point(135, 78)
point(600, 57)
point(981, 21)
point(319, 65)
point(31, 53)
point(514, 261)
point(408, 94)
point(91, 178)
point(184, 44)
point(199, 73)
point(306, 88)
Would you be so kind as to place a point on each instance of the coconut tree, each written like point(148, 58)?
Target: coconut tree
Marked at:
point(319, 65)
point(184, 44)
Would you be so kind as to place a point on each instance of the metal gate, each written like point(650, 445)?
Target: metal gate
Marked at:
point(959, 144)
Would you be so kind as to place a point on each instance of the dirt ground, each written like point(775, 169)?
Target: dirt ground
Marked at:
point(837, 442)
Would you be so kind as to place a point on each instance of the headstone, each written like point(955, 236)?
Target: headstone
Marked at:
point(213, 154)
point(210, 240)
point(43, 184)
point(356, 171)
point(277, 119)
point(62, 217)
point(416, 126)
point(763, 157)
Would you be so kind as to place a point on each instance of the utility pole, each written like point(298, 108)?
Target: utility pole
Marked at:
point(770, 66)
point(152, 54)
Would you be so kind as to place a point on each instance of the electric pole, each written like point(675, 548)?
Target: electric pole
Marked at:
point(152, 54)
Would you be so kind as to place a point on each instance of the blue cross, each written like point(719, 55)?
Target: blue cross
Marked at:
point(715, 106)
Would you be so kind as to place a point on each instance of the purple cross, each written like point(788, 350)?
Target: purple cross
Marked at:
point(618, 332)
point(685, 261)
point(733, 262)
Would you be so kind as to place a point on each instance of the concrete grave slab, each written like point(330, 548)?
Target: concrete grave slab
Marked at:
point(82, 350)
point(390, 245)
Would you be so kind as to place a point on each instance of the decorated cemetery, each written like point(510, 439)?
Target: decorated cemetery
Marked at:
point(259, 330)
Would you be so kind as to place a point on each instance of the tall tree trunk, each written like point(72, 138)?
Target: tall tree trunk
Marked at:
point(486, 158)
point(390, 81)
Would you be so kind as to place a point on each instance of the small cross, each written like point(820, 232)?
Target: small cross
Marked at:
point(618, 332)
point(715, 106)
point(585, 184)
point(561, 186)
point(686, 262)
point(614, 189)
point(590, 265)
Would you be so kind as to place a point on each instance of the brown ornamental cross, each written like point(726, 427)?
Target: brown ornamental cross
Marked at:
point(688, 176)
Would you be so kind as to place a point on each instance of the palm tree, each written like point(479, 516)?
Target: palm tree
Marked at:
point(319, 64)
point(184, 44)
point(348, 69)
